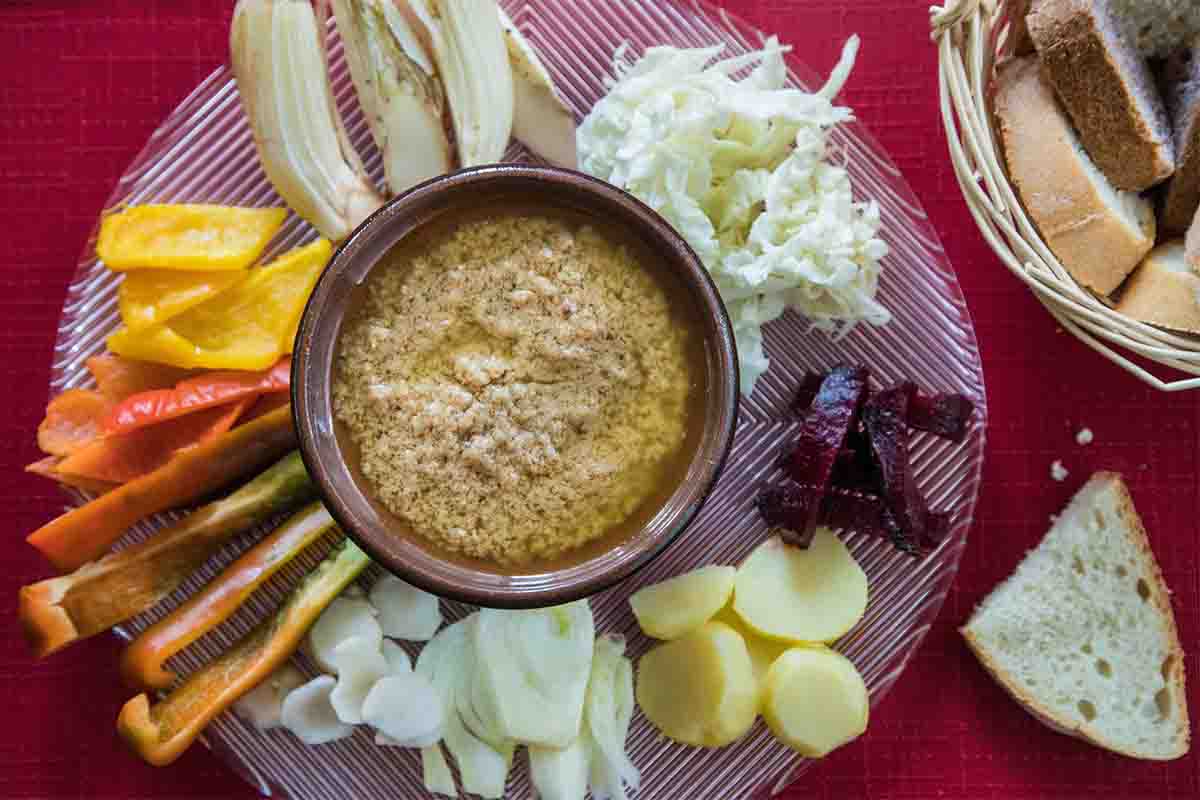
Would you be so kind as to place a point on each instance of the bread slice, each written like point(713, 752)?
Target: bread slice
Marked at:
point(1192, 243)
point(1107, 88)
point(1159, 27)
point(1182, 198)
point(1082, 634)
point(1164, 290)
point(1098, 233)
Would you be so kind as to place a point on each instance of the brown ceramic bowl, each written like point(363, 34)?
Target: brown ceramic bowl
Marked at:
point(331, 457)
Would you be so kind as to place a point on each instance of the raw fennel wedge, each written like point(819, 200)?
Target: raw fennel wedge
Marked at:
point(83, 534)
point(446, 661)
point(398, 89)
point(143, 660)
point(541, 119)
point(535, 671)
point(279, 62)
point(58, 611)
point(160, 732)
point(472, 60)
point(186, 237)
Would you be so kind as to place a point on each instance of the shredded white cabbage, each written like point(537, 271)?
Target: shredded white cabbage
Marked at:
point(740, 168)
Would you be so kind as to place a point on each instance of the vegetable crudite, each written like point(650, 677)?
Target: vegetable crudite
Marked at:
point(160, 732)
point(143, 659)
point(59, 611)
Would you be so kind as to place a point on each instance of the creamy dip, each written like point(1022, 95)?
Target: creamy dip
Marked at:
point(517, 385)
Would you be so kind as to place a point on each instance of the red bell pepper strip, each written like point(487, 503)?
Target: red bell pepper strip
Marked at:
point(122, 457)
point(196, 394)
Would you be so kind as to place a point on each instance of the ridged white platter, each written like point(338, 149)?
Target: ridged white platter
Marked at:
point(203, 153)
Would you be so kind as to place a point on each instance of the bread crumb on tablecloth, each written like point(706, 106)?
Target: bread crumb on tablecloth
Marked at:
point(1084, 437)
point(1058, 471)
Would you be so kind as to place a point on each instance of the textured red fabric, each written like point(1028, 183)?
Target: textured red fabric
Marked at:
point(85, 84)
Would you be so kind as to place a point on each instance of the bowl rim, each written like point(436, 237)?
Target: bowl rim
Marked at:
point(320, 328)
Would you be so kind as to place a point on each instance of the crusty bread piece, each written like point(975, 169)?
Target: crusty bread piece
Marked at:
point(1164, 291)
point(1192, 244)
point(1082, 634)
point(1182, 198)
point(1159, 27)
point(1107, 88)
point(1098, 233)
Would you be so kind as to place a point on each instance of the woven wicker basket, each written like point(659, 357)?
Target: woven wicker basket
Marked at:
point(972, 36)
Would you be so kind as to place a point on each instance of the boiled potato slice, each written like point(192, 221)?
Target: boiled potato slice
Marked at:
point(814, 700)
point(682, 604)
point(793, 595)
point(763, 652)
point(699, 689)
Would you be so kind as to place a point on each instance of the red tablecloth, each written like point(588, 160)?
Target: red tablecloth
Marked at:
point(84, 85)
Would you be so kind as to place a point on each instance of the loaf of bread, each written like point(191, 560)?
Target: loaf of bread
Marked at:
point(1159, 27)
point(1082, 634)
point(1164, 290)
point(1182, 197)
point(1098, 233)
point(1107, 88)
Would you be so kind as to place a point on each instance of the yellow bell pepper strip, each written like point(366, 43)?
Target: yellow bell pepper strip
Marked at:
point(117, 378)
point(197, 394)
point(247, 326)
point(187, 237)
point(73, 420)
point(160, 733)
point(157, 295)
point(84, 534)
point(142, 661)
point(58, 611)
point(124, 457)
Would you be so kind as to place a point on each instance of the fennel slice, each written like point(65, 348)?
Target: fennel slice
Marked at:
point(537, 668)
point(472, 60)
point(541, 119)
point(401, 96)
point(279, 63)
point(482, 769)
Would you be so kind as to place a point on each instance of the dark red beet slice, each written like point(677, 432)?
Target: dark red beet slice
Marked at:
point(787, 507)
point(943, 414)
point(884, 417)
point(824, 433)
point(810, 384)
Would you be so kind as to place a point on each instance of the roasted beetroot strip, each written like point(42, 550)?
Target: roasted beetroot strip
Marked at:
point(787, 506)
point(944, 414)
point(825, 431)
point(884, 418)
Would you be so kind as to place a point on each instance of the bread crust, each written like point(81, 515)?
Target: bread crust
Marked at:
point(1159, 596)
point(1134, 152)
point(1161, 296)
point(1182, 196)
point(1094, 244)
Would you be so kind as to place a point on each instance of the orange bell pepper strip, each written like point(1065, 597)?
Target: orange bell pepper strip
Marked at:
point(118, 377)
point(73, 419)
point(161, 732)
point(58, 611)
point(48, 468)
point(142, 661)
point(84, 534)
point(195, 394)
point(123, 457)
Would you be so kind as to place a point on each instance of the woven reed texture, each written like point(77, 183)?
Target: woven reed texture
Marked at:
point(972, 36)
